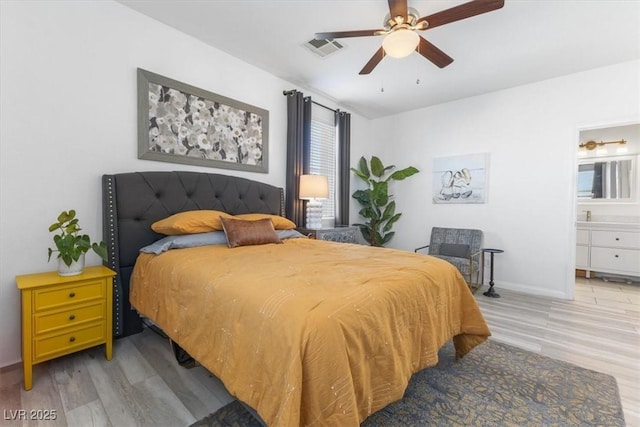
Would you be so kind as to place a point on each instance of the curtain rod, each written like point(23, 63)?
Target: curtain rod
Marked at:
point(291, 92)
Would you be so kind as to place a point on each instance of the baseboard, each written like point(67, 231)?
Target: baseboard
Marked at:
point(11, 366)
point(529, 289)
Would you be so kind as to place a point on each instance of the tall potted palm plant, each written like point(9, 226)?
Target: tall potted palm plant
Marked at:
point(378, 206)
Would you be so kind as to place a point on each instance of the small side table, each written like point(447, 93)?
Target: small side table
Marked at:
point(491, 293)
point(64, 314)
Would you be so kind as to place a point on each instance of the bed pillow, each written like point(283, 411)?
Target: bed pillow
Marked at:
point(246, 233)
point(454, 250)
point(279, 222)
point(204, 239)
point(290, 234)
point(186, 241)
point(189, 222)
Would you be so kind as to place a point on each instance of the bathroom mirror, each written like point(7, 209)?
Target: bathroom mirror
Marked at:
point(606, 179)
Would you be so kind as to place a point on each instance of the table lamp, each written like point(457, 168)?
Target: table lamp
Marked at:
point(312, 188)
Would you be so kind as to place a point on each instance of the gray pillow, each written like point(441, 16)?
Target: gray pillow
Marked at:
point(185, 241)
point(454, 250)
point(202, 239)
point(289, 234)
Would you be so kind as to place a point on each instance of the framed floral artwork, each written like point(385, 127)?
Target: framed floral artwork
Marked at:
point(460, 179)
point(180, 123)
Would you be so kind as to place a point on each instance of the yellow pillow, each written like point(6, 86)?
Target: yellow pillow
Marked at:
point(190, 222)
point(248, 233)
point(279, 222)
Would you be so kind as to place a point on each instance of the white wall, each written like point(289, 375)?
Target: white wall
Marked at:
point(68, 115)
point(531, 135)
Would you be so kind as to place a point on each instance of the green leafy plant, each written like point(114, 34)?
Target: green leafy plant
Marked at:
point(378, 205)
point(70, 244)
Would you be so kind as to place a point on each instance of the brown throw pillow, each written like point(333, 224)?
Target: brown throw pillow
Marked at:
point(247, 233)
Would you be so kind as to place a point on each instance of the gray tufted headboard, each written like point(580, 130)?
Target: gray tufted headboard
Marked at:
point(131, 202)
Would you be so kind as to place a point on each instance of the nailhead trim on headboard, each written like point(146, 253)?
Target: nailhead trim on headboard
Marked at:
point(112, 260)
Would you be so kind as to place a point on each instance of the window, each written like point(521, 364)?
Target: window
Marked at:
point(324, 157)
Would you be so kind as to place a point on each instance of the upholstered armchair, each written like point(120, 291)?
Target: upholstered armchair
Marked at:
point(461, 247)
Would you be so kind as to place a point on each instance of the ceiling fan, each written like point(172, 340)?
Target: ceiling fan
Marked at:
point(400, 27)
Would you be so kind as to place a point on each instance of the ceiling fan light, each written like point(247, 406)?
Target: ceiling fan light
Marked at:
point(400, 43)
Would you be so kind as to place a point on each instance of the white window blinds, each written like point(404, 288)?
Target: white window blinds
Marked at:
point(323, 156)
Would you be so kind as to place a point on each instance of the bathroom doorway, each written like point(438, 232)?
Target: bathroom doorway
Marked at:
point(607, 203)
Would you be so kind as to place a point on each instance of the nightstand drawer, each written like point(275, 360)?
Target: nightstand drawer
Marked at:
point(58, 296)
point(68, 342)
point(76, 316)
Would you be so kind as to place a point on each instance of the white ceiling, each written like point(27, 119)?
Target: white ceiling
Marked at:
point(525, 41)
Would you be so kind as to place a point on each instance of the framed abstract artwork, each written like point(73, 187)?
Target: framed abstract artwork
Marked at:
point(460, 179)
point(180, 123)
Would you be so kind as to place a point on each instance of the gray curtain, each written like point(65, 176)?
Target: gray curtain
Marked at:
point(343, 122)
point(298, 143)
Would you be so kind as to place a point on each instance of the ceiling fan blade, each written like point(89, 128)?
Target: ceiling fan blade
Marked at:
point(375, 60)
point(463, 11)
point(398, 8)
point(343, 34)
point(433, 54)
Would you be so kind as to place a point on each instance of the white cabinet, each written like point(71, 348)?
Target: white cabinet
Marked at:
point(582, 249)
point(582, 257)
point(582, 237)
point(608, 249)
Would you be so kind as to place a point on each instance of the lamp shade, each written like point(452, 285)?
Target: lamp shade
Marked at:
point(314, 187)
point(400, 43)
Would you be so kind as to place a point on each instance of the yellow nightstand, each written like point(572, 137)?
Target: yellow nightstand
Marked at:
point(62, 315)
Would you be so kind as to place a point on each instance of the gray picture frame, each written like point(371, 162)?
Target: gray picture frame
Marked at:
point(180, 123)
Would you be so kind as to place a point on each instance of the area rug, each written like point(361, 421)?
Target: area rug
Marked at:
point(494, 385)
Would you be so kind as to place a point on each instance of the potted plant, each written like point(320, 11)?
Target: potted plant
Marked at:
point(377, 204)
point(72, 246)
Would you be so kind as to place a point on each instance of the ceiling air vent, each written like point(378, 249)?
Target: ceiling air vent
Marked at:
point(323, 48)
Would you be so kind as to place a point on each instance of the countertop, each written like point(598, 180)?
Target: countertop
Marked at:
point(608, 225)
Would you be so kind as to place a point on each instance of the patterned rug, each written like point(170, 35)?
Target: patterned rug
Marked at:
point(494, 385)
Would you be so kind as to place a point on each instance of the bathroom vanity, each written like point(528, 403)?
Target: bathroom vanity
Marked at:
point(608, 247)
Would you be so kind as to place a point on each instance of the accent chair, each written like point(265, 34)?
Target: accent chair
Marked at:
point(461, 247)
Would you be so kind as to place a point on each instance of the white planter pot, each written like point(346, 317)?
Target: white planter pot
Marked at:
point(74, 269)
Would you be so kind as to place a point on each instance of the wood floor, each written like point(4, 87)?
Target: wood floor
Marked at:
point(599, 330)
point(144, 386)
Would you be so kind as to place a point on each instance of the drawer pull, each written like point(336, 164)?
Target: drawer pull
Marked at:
point(72, 317)
point(617, 238)
point(72, 294)
point(616, 256)
point(72, 339)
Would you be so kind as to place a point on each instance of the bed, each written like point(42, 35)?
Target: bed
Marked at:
point(305, 332)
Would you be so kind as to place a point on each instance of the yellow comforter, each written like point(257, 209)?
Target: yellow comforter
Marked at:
point(309, 332)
